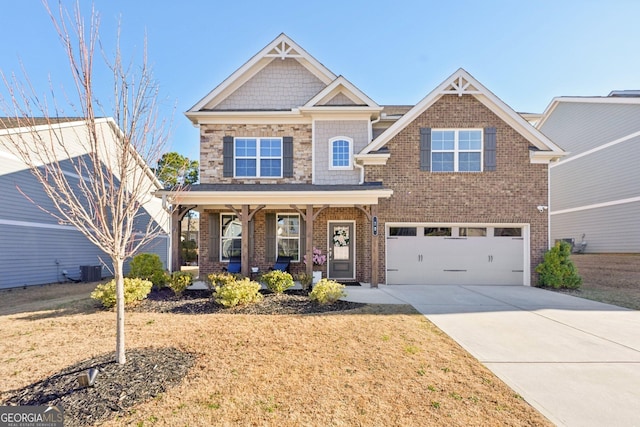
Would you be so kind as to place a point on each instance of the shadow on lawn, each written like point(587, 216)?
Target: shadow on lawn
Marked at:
point(201, 302)
point(80, 306)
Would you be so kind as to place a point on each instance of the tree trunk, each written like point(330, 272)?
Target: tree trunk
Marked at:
point(118, 266)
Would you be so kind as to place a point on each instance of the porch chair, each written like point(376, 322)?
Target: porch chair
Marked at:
point(235, 265)
point(282, 263)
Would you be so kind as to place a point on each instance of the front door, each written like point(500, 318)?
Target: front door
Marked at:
point(341, 250)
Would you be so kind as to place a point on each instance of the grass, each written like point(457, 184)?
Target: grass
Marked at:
point(379, 365)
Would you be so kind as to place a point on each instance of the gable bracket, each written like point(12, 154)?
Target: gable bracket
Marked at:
point(461, 86)
point(239, 213)
point(283, 50)
point(366, 211)
point(304, 215)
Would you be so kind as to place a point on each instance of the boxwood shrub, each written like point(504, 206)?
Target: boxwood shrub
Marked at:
point(135, 290)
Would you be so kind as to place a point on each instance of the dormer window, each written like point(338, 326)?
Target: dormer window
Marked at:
point(340, 153)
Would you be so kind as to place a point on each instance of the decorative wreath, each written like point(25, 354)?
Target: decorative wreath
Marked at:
point(341, 238)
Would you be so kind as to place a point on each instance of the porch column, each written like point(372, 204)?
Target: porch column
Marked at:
point(176, 231)
point(244, 269)
point(374, 248)
point(309, 240)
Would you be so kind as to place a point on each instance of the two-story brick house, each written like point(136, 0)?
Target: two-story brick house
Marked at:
point(294, 157)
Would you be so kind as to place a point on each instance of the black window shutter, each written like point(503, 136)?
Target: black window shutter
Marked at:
point(227, 156)
point(287, 156)
point(490, 149)
point(425, 149)
point(270, 232)
point(214, 237)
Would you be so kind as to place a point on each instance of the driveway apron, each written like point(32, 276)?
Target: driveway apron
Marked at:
point(576, 361)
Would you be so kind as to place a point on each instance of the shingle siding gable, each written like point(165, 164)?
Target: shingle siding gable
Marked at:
point(281, 85)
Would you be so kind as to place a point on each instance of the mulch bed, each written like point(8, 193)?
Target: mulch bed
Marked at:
point(147, 372)
point(200, 302)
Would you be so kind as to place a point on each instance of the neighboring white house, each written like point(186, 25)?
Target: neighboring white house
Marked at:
point(35, 248)
point(595, 190)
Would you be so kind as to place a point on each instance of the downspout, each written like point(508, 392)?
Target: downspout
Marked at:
point(361, 166)
point(167, 209)
point(164, 204)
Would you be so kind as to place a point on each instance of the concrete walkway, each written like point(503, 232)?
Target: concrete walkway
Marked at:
point(576, 361)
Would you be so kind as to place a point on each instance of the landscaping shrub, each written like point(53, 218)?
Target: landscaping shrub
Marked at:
point(134, 290)
point(327, 292)
point(237, 292)
point(277, 281)
point(180, 280)
point(305, 280)
point(149, 267)
point(557, 270)
point(221, 279)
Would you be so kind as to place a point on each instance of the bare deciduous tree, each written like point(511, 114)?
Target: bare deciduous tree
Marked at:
point(97, 178)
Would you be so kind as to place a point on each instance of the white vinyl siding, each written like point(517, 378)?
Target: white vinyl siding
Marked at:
point(594, 190)
point(606, 175)
point(609, 229)
point(578, 127)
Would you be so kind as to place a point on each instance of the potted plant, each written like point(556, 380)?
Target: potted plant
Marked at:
point(319, 259)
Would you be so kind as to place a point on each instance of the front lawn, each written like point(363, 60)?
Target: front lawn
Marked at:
point(376, 365)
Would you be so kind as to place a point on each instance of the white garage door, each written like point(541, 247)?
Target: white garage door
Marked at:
point(459, 255)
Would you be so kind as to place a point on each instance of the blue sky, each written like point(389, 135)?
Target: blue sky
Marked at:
point(526, 52)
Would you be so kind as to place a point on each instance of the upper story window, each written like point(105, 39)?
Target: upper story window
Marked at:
point(340, 153)
point(258, 157)
point(456, 150)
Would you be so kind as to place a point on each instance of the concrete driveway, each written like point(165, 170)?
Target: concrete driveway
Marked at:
point(576, 361)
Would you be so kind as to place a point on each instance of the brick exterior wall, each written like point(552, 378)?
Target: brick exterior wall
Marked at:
point(211, 160)
point(508, 195)
point(320, 238)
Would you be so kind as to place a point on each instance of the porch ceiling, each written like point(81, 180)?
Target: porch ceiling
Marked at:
point(276, 194)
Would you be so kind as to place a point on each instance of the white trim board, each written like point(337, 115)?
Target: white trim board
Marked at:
point(597, 205)
point(596, 149)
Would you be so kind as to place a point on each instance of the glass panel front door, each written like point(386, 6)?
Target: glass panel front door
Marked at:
point(341, 250)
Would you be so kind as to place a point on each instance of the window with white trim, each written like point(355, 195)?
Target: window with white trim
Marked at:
point(230, 237)
point(258, 157)
point(340, 153)
point(456, 150)
point(288, 235)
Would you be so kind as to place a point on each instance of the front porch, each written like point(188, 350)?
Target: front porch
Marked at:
point(286, 220)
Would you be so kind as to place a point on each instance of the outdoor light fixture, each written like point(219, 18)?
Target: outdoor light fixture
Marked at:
point(88, 378)
point(542, 208)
